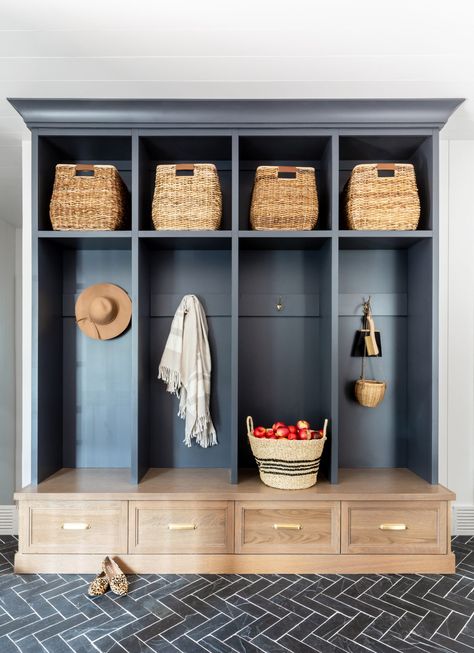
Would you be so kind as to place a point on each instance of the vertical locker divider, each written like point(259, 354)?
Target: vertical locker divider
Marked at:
point(140, 327)
point(334, 465)
point(135, 434)
point(435, 305)
point(143, 352)
point(135, 470)
point(235, 426)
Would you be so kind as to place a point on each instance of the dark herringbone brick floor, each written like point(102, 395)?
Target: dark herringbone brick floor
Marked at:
point(228, 613)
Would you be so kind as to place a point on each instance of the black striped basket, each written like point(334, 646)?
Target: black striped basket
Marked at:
point(287, 464)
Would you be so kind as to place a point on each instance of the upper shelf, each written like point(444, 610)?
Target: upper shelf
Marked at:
point(381, 239)
point(196, 240)
point(87, 240)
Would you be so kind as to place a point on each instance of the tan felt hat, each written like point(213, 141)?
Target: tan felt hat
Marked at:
point(103, 311)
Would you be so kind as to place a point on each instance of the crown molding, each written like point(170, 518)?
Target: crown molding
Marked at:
point(429, 113)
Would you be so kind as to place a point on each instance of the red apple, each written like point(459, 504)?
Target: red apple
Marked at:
point(259, 431)
point(272, 437)
point(277, 425)
point(319, 434)
point(270, 432)
point(292, 429)
point(304, 434)
point(302, 424)
point(292, 436)
point(314, 434)
point(282, 432)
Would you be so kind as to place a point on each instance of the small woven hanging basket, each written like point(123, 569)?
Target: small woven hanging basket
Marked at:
point(370, 393)
point(187, 202)
point(386, 203)
point(286, 464)
point(280, 203)
point(83, 203)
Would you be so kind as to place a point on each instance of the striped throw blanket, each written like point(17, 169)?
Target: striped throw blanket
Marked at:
point(186, 369)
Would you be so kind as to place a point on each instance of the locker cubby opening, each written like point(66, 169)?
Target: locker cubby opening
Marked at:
point(398, 432)
point(156, 150)
point(170, 269)
point(284, 355)
point(314, 151)
point(83, 386)
point(84, 148)
point(417, 150)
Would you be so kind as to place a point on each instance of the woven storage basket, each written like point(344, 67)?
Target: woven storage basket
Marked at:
point(385, 203)
point(282, 203)
point(370, 393)
point(286, 464)
point(95, 202)
point(192, 202)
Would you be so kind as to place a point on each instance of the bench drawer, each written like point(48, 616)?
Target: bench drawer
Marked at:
point(181, 527)
point(394, 527)
point(287, 527)
point(73, 526)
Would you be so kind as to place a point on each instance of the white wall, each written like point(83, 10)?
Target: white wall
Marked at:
point(18, 355)
point(7, 362)
point(457, 319)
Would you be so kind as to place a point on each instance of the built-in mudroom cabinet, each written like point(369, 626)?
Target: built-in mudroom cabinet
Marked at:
point(110, 472)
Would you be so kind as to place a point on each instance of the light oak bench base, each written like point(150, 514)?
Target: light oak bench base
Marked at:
point(195, 521)
point(240, 564)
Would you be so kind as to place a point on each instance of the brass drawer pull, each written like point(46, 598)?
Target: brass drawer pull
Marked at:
point(289, 527)
point(75, 526)
point(393, 527)
point(182, 527)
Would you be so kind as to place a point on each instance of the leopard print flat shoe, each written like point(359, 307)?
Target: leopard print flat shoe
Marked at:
point(99, 585)
point(117, 579)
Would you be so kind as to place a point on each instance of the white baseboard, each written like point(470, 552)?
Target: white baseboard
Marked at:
point(463, 519)
point(8, 520)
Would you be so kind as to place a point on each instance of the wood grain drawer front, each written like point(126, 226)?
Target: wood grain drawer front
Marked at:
point(181, 527)
point(287, 527)
point(394, 527)
point(73, 526)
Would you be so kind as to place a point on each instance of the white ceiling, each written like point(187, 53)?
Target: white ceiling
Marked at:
point(226, 49)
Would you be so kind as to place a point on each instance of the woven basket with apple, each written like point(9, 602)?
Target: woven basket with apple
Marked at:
point(288, 457)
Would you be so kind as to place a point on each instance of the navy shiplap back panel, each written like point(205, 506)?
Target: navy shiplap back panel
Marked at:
point(97, 389)
point(207, 275)
point(373, 437)
point(281, 352)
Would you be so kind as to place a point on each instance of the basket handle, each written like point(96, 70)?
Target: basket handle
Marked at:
point(325, 427)
point(390, 167)
point(184, 166)
point(292, 169)
point(85, 167)
point(249, 422)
